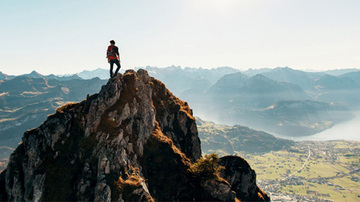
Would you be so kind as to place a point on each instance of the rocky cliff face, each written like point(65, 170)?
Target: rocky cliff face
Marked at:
point(134, 140)
point(241, 177)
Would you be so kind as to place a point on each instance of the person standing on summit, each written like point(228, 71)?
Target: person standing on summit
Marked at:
point(113, 56)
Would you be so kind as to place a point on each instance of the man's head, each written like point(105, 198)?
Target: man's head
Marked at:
point(112, 42)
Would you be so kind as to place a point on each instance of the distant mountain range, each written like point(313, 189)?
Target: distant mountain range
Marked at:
point(238, 90)
point(281, 100)
point(329, 86)
point(26, 100)
point(35, 74)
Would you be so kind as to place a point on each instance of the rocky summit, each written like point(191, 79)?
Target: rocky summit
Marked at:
point(133, 141)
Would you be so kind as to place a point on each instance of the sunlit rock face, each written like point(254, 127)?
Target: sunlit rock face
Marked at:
point(134, 140)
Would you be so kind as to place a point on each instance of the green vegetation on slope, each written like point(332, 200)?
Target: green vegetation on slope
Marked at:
point(226, 140)
point(206, 167)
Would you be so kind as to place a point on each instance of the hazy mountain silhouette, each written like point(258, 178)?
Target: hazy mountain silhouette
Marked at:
point(252, 72)
point(328, 82)
point(5, 76)
point(35, 74)
point(26, 101)
point(256, 92)
point(285, 74)
point(180, 80)
point(338, 72)
point(355, 76)
point(89, 74)
point(338, 89)
point(267, 104)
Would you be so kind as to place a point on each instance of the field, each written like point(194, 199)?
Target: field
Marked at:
point(289, 170)
point(310, 170)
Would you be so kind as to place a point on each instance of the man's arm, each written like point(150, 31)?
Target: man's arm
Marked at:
point(118, 54)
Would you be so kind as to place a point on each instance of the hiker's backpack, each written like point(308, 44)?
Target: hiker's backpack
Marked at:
point(111, 52)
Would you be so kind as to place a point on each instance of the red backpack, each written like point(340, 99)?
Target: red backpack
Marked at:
point(111, 52)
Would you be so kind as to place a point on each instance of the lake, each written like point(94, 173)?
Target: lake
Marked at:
point(349, 130)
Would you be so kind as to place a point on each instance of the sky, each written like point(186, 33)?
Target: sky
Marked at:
point(69, 36)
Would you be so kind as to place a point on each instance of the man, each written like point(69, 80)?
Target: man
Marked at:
point(113, 56)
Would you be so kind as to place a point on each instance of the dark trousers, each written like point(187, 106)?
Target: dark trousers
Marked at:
point(112, 62)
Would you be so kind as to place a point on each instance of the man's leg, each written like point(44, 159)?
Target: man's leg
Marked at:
point(111, 68)
point(118, 67)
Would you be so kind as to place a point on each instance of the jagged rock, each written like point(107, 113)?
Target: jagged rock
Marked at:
point(132, 141)
point(219, 190)
point(242, 178)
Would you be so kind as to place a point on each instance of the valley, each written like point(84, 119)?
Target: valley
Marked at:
point(301, 170)
point(310, 170)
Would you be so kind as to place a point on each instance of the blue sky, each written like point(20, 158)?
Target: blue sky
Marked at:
point(61, 37)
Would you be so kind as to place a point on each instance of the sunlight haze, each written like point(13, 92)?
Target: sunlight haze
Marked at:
point(63, 37)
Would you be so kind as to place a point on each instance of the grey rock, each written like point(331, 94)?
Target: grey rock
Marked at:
point(89, 151)
point(242, 178)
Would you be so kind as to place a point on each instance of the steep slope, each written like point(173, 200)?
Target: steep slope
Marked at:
point(133, 141)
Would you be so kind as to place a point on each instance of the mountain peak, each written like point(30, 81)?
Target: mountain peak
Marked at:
point(35, 73)
point(134, 140)
point(283, 68)
point(260, 77)
point(2, 76)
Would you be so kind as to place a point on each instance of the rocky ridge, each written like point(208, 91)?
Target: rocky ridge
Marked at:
point(134, 140)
